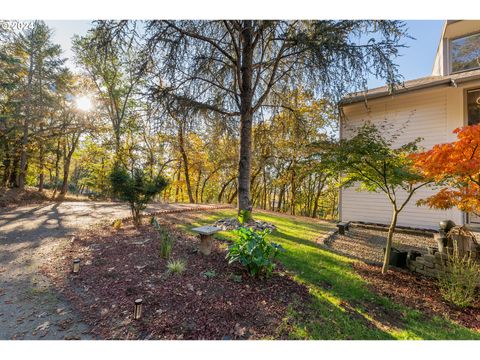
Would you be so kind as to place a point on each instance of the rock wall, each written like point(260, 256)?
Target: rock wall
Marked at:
point(433, 265)
point(429, 265)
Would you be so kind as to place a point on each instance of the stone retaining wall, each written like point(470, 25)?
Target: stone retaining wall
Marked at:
point(429, 265)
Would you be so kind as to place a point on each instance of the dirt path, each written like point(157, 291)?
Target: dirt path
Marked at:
point(29, 307)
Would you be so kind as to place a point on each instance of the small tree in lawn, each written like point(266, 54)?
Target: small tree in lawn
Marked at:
point(455, 165)
point(136, 188)
point(369, 159)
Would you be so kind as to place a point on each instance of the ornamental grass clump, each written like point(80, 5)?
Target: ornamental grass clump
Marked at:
point(166, 239)
point(252, 250)
point(459, 281)
point(176, 266)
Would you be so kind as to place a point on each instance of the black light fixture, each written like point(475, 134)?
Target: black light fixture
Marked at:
point(76, 265)
point(137, 313)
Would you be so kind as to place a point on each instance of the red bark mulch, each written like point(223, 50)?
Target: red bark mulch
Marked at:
point(119, 266)
point(418, 292)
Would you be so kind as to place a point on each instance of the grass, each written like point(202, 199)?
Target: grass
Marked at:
point(176, 266)
point(342, 306)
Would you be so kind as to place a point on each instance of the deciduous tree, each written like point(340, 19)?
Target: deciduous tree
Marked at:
point(456, 166)
point(369, 160)
point(235, 68)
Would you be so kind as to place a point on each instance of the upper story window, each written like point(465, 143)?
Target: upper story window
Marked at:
point(473, 106)
point(465, 53)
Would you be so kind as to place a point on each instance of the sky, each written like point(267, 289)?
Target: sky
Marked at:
point(415, 61)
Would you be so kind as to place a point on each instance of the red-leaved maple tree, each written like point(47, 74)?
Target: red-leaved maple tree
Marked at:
point(456, 167)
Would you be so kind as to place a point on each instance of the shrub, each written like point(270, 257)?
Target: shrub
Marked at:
point(176, 266)
point(166, 240)
point(253, 251)
point(459, 280)
point(136, 188)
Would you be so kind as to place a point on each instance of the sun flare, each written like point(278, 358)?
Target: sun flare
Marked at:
point(84, 103)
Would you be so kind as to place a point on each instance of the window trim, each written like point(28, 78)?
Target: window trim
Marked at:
point(449, 51)
point(465, 103)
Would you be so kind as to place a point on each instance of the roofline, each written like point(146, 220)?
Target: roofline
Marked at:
point(446, 81)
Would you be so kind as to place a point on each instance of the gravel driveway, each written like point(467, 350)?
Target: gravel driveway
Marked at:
point(29, 307)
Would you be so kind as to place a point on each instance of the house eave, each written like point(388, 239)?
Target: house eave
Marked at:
point(452, 80)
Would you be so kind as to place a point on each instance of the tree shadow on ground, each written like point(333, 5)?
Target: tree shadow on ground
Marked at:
point(342, 306)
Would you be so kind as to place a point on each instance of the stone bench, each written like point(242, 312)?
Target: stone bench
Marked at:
point(342, 226)
point(206, 237)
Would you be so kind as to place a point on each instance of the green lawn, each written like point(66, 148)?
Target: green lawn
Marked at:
point(342, 306)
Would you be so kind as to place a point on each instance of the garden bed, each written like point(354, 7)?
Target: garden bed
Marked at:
point(209, 300)
point(367, 244)
point(417, 292)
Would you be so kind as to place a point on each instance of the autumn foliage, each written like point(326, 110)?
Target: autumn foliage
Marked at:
point(456, 167)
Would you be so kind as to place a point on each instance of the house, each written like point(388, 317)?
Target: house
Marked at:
point(430, 108)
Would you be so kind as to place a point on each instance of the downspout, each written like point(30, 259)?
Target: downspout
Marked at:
point(341, 116)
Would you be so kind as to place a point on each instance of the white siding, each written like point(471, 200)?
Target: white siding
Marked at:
point(430, 114)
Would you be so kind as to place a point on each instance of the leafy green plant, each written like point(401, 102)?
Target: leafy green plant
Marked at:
point(244, 216)
point(459, 280)
point(253, 251)
point(209, 274)
point(176, 266)
point(136, 188)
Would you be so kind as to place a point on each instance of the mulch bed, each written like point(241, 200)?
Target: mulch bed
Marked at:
point(418, 292)
point(119, 266)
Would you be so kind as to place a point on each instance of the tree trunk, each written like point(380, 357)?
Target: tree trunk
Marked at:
point(205, 183)
point(185, 164)
point(41, 179)
point(264, 190)
point(57, 168)
point(222, 190)
point(246, 118)
point(272, 202)
point(197, 185)
point(281, 197)
point(177, 187)
point(14, 172)
point(232, 197)
point(388, 248)
point(321, 184)
point(26, 120)
point(293, 189)
point(117, 142)
point(66, 170)
point(6, 164)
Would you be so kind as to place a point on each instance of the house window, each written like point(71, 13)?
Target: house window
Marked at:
point(465, 53)
point(473, 106)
